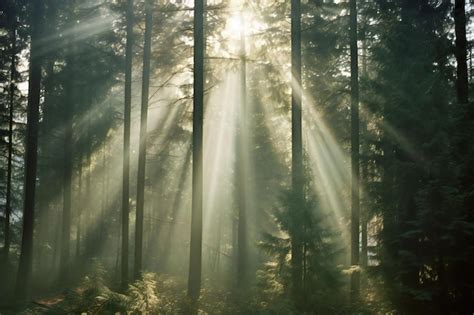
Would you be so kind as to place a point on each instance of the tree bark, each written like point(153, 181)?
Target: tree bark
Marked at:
point(31, 154)
point(67, 165)
point(241, 169)
point(126, 145)
point(143, 139)
point(79, 209)
point(195, 259)
point(355, 198)
point(462, 82)
point(8, 207)
point(364, 172)
point(296, 145)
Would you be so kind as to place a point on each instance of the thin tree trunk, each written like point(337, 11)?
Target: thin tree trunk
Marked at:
point(297, 145)
point(102, 198)
point(218, 245)
point(143, 139)
point(195, 259)
point(79, 210)
point(462, 83)
point(8, 207)
point(355, 220)
point(126, 145)
point(31, 154)
point(67, 169)
point(45, 178)
point(90, 238)
point(241, 174)
point(364, 175)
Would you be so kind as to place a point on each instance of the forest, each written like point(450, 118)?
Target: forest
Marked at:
point(236, 157)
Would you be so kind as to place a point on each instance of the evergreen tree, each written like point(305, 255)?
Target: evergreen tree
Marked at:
point(195, 258)
point(26, 256)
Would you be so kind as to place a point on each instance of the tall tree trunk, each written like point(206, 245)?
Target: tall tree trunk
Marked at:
point(462, 83)
point(241, 166)
point(34, 87)
point(90, 238)
point(364, 172)
point(143, 138)
point(463, 273)
point(8, 206)
point(45, 177)
point(67, 166)
point(195, 259)
point(355, 277)
point(79, 209)
point(297, 145)
point(103, 213)
point(126, 144)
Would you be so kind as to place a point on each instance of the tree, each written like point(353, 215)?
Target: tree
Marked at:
point(462, 83)
point(355, 221)
point(296, 141)
point(34, 87)
point(195, 255)
point(242, 175)
point(68, 120)
point(415, 198)
point(126, 144)
point(143, 139)
point(464, 152)
point(12, 89)
point(322, 280)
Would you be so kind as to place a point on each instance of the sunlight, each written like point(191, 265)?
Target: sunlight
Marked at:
point(235, 25)
point(219, 157)
point(330, 167)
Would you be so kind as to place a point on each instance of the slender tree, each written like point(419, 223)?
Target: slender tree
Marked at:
point(241, 174)
point(297, 145)
point(143, 138)
point(79, 210)
point(462, 82)
point(195, 255)
point(68, 115)
point(463, 273)
point(126, 144)
point(11, 92)
point(355, 277)
point(34, 87)
point(364, 174)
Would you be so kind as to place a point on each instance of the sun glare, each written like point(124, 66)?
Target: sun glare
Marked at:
point(235, 25)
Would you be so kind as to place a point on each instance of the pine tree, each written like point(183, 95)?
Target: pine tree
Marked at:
point(143, 138)
point(34, 86)
point(126, 145)
point(195, 255)
point(296, 141)
point(355, 221)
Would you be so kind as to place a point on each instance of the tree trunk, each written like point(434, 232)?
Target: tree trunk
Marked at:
point(8, 207)
point(103, 212)
point(355, 277)
point(462, 83)
point(364, 173)
point(46, 178)
point(67, 166)
point(126, 145)
point(297, 145)
point(34, 89)
point(241, 169)
point(90, 238)
point(79, 210)
point(143, 138)
point(195, 259)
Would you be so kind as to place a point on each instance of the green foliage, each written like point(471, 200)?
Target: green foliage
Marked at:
point(322, 279)
point(142, 294)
